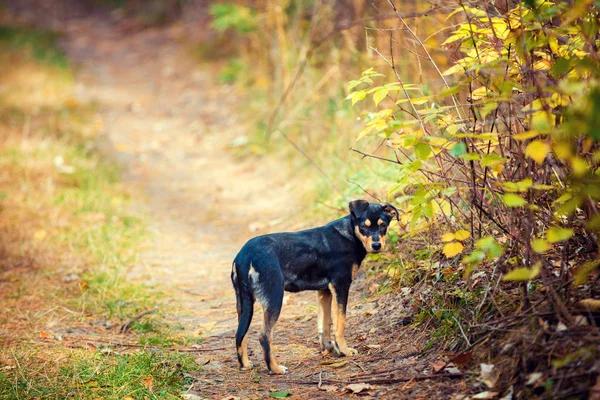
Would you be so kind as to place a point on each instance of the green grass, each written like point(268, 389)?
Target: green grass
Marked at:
point(105, 374)
point(63, 209)
point(40, 44)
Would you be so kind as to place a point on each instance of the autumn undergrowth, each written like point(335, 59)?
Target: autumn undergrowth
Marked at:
point(68, 235)
point(481, 126)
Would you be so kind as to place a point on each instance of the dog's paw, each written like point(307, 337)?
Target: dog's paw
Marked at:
point(279, 370)
point(343, 352)
point(325, 344)
point(247, 367)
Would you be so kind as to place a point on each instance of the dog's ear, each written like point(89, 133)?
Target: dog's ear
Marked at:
point(390, 209)
point(357, 207)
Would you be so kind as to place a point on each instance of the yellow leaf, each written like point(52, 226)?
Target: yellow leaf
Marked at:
point(540, 246)
point(513, 200)
point(526, 135)
point(579, 166)
point(479, 93)
point(452, 249)
point(558, 234)
point(462, 235)
point(379, 95)
point(447, 237)
point(537, 150)
point(456, 68)
point(523, 274)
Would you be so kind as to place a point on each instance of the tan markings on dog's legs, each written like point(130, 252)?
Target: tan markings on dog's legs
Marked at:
point(355, 268)
point(267, 331)
point(339, 325)
point(368, 222)
point(243, 354)
point(324, 318)
point(366, 240)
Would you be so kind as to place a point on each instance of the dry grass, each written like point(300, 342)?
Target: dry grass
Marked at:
point(67, 236)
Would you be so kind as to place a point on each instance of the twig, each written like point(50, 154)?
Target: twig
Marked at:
point(380, 381)
point(125, 327)
point(462, 331)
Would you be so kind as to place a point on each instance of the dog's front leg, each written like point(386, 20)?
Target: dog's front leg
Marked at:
point(339, 294)
point(324, 318)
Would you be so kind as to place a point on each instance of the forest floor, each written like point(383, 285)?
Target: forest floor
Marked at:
point(168, 123)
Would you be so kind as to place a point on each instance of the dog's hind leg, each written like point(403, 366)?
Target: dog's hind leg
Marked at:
point(245, 309)
point(271, 314)
point(324, 318)
point(269, 292)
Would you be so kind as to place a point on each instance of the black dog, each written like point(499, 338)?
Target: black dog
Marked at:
point(323, 259)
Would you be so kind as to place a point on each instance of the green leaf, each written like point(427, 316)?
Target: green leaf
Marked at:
point(557, 234)
point(422, 151)
point(489, 160)
point(353, 84)
point(280, 395)
point(458, 149)
point(379, 95)
point(513, 200)
point(523, 274)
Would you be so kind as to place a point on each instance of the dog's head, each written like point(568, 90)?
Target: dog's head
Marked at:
point(371, 221)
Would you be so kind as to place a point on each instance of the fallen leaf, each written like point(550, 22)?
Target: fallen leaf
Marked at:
point(489, 375)
point(338, 364)
point(485, 395)
point(190, 396)
point(280, 395)
point(462, 359)
point(149, 383)
point(438, 365)
point(357, 387)
point(533, 378)
point(231, 398)
point(334, 363)
point(328, 388)
point(44, 335)
point(590, 304)
point(451, 369)
point(374, 346)
point(202, 360)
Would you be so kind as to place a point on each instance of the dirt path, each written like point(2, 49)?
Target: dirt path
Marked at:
point(169, 123)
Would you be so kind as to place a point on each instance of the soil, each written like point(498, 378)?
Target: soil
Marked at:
point(170, 124)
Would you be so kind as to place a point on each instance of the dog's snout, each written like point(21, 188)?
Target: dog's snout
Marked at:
point(376, 246)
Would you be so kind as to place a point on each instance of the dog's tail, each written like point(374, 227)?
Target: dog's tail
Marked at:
point(244, 302)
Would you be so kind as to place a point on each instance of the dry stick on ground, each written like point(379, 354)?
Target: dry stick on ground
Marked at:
point(379, 381)
point(125, 327)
